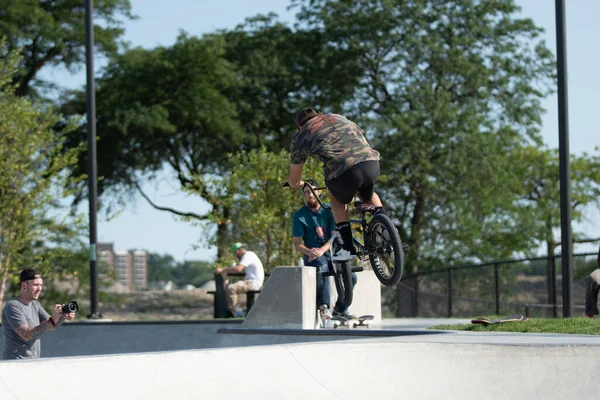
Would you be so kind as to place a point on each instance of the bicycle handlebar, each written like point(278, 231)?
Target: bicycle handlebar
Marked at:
point(306, 184)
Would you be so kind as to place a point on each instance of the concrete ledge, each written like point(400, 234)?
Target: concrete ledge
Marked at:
point(288, 300)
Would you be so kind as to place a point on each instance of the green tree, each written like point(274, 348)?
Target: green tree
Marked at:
point(448, 89)
point(259, 209)
point(32, 176)
point(539, 195)
point(160, 108)
point(52, 33)
point(281, 70)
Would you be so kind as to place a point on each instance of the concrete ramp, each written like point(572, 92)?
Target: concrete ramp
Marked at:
point(347, 370)
point(288, 300)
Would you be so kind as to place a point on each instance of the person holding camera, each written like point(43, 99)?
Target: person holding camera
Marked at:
point(24, 320)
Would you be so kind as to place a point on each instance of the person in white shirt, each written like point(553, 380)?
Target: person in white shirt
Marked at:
point(254, 272)
point(592, 287)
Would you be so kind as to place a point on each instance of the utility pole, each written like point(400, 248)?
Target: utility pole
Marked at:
point(92, 173)
point(564, 159)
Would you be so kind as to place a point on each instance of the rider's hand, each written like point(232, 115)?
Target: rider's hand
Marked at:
point(298, 184)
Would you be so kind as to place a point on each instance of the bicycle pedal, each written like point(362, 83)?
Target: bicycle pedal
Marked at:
point(328, 273)
point(357, 269)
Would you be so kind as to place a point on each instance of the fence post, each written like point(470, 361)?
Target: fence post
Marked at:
point(497, 287)
point(220, 303)
point(553, 283)
point(450, 293)
point(416, 298)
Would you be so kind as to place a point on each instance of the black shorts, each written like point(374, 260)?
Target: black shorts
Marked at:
point(360, 178)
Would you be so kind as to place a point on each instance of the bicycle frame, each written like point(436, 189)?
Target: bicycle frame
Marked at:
point(363, 250)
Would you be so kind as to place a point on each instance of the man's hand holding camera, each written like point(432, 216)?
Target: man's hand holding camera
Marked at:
point(63, 312)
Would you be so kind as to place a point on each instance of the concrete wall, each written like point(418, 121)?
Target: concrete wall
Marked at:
point(102, 338)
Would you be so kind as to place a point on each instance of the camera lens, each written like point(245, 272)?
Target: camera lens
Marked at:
point(70, 307)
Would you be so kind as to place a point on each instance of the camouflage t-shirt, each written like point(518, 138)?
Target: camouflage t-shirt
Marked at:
point(333, 139)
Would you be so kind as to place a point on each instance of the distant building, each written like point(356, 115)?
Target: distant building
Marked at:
point(130, 267)
point(140, 270)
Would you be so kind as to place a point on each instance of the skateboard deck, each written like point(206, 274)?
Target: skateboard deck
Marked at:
point(363, 320)
point(510, 318)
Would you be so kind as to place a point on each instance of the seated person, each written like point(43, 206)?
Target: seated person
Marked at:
point(254, 272)
point(592, 286)
point(312, 228)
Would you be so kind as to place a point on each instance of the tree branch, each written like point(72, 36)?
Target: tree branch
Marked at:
point(171, 210)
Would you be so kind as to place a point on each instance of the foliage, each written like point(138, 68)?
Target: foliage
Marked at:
point(538, 191)
point(32, 177)
point(448, 89)
point(163, 267)
point(52, 33)
point(260, 210)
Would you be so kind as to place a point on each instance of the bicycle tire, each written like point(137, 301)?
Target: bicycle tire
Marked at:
point(343, 283)
point(342, 277)
point(383, 237)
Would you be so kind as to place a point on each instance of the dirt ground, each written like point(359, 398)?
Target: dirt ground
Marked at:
point(158, 305)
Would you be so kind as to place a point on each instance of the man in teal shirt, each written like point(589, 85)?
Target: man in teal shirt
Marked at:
point(312, 227)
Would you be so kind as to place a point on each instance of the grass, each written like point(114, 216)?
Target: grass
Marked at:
point(575, 326)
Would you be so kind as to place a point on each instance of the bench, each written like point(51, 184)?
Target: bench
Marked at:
point(220, 302)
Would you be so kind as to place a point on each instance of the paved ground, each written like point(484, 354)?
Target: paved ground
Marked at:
point(410, 362)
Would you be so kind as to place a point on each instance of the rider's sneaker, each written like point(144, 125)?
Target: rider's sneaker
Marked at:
point(343, 255)
point(344, 314)
point(364, 207)
point(324, 312)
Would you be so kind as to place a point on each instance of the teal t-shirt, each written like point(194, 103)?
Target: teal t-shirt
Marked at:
point(313, 227)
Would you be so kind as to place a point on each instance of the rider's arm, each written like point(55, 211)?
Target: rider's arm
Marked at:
point(295, 176)
point(299, 246)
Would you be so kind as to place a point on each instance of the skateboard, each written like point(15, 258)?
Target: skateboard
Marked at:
point(363, 320)
point(510, 318)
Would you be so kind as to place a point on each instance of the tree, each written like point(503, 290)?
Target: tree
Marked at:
point(32, 175)
point(52, 33)
point(259, 209)
point(448, 89)
point(280, 71)
point(539, 195)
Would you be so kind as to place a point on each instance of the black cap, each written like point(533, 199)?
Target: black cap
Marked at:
point(28, 274)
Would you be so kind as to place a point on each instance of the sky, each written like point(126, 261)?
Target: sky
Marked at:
point(139, 226)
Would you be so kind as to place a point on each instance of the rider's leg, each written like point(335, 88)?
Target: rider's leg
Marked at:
point(370, 173)
point(338, 309)
point(342, 222)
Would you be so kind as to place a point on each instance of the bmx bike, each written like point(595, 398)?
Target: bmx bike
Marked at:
point(381, 246)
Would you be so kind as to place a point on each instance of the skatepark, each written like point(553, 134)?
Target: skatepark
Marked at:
point(278, 352)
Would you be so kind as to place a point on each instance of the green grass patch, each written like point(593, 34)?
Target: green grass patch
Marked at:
point(575, 326)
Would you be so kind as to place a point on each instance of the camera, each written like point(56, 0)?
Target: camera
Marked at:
point(70, 307)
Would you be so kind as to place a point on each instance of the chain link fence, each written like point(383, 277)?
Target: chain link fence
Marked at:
point(530, 286)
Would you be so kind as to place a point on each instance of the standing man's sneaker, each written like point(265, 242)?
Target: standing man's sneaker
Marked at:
point(343, 255)
point(324, 312)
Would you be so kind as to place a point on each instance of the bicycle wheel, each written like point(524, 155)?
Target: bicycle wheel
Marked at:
point(387, 257)
point(342, 277)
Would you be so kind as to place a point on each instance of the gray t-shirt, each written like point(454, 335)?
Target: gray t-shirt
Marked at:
point(15, 314)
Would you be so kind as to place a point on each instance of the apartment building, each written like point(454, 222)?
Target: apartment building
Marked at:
point(130, 267)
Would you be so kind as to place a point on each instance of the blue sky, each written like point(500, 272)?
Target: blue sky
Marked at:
point(140, 226)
